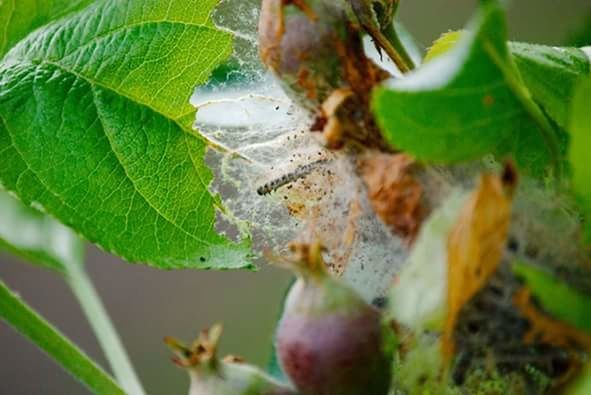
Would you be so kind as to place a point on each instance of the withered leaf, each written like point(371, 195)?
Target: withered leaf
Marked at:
point(394, 192)
point(546, 329)
point(475, 247)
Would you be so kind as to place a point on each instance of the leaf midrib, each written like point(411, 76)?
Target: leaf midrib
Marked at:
point(119, 160)
point(66, 204)
point(92, 82)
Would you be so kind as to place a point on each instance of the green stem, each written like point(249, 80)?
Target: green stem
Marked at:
point(398, 45)
point(41, 333)
point(103, 328)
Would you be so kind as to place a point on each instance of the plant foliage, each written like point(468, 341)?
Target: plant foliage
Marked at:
point(95, 128)
point(473, 100)
point(30, 324)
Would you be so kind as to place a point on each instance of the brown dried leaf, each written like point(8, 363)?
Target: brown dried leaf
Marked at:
point(394, 192)
point(546, 329)
point(475, 247)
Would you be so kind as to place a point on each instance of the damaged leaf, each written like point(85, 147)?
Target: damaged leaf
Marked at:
point(546, 328)
point(556, 297)
point(394, 192)
point(475, 246)
point(95, 128)
point(418, 296)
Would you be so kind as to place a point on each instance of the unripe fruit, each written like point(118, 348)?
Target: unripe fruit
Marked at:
point(230, 376)
point(315, 49)
point(330, 341)
point(299, 48)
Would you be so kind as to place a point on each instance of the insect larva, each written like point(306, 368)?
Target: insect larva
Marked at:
point(288, 178)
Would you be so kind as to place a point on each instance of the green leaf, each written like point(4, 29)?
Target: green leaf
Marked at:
point(444, 44)
point(551, 74)
point(31, 325)
point(556, 297)
point(36, 237)
point(96, 131)
point(582, 384)
point(20, 17)
point(580, 143)
point(469, 102)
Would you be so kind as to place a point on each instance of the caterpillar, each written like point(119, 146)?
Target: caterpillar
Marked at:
point(298, 173)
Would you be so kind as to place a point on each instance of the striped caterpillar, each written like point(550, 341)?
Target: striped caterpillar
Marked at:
point(298, 173)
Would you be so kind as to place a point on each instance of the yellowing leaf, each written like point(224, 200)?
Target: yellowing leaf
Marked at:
point(443, 44)
point(475, 247)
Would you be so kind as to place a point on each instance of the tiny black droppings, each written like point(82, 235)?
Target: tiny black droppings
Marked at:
point(513, 245)
point(380, 302)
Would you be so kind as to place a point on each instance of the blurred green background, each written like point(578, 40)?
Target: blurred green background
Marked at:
point(147, 304)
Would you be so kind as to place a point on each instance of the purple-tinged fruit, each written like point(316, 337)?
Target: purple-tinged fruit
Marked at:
point(329, 340)
point(229, 376)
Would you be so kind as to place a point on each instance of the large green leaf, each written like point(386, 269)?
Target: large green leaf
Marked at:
point(469, 102)
point(556, 297)
point(96, 119)
point(25, 231)
point(35, 236)
point(580, 130)
point(19, 17)
point(551, 74)
point(31, 325)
